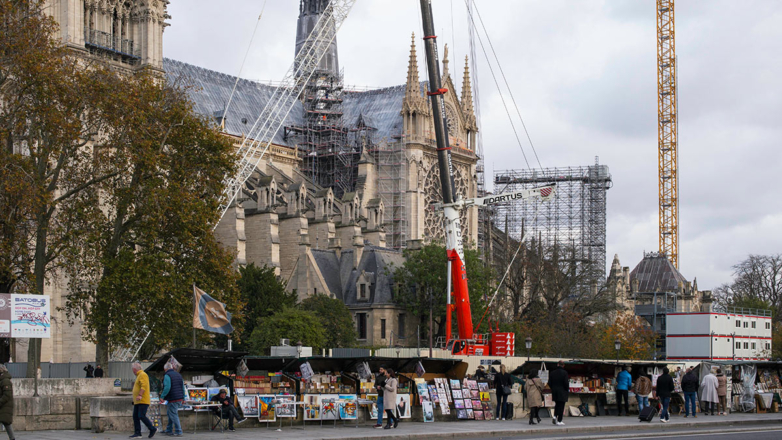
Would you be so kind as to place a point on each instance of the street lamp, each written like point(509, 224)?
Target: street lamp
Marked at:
point(617, 346)
point(298, 348)
point(528, 344)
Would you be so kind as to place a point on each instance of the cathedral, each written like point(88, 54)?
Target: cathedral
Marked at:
point(344, 187)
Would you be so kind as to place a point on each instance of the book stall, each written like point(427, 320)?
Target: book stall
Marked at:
point(326, 389)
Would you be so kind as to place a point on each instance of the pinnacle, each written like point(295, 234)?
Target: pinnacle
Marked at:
point(412, 70)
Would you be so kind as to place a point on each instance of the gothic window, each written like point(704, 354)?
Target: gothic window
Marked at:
point(433, 222)
point(452, 121)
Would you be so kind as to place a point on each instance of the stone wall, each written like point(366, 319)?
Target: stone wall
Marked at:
point(51, 413)
point(65, 387)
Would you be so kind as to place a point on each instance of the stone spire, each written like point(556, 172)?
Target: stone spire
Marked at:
point(446, 73)
point(467, 103)
point(309, 13)
point(413, 87)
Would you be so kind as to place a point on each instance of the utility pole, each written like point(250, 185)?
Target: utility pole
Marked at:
point(431, 307)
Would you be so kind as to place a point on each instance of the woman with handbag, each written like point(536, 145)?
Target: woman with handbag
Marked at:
point(502, 388)
point(389, 395)
point(534, 396)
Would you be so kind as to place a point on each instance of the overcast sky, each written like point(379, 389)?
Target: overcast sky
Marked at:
point(583, 75)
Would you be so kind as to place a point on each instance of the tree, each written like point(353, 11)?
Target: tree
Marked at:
point(289, 323)
point(263, 295)
point(149, 235)
point(757, 283)
point(422, 278)
point(637, 339)
point(53, 107)
point(335, 318)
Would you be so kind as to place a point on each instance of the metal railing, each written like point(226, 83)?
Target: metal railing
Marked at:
point(110, 42)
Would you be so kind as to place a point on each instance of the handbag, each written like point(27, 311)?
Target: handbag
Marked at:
point(506, 390)
point(543, 373)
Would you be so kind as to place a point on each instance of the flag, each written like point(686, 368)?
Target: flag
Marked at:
point(209, 314)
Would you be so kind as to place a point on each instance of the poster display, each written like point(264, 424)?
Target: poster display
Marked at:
point(213, 391)
point(403, 406)
point(249, 405)
point(266, 408)
point(25, 316)
point(348, 406)
point(197, 394)
point(373, 408)
point(312, 407)
point(329, 408)
point(428, 409)
point(283, 408)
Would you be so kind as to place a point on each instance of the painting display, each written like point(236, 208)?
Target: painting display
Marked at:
point(428, 409)
point(478, 415)
point(483, 386)
point(470, 414)
point(423, 392)
point(458, 403)
point(475, 394)
point(283, 409)
point(373, 408)
point(485, 397)
point(455, 384)
point(434, 396)
point(312, 407)
point(329, 408)
point(348, 406)
point(266, 408)
point(403, 406)
point(197, 394)
point(249, 405)
point(211, 392)
point(457, 394)
point(467, 403)
point(461, 414)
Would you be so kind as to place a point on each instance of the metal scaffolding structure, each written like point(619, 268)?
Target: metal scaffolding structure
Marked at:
point(575, 217)
point(391, 163)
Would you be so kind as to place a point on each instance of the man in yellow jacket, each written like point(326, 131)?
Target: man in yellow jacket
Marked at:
point(141, 402)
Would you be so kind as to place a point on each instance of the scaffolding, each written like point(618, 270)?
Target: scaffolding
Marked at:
point(575, 217)
point(328, 157)
point(391, 160)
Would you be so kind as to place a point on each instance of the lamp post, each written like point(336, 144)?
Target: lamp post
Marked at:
point(617, 346)
point(528, 344)
point(298, 348)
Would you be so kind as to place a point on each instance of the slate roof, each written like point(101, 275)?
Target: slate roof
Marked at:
point(379, 109)
point(656, 274)
point(341, 278)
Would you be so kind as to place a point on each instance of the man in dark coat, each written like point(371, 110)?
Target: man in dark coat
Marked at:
point(6, 401)
point(690, 388)
point(559, 382)
point(89, 370)
point(98, 373)
point(664, 389)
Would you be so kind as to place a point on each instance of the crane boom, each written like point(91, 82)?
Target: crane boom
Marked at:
point(273, 115)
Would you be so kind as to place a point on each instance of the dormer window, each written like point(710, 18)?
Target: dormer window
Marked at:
point(362, 291)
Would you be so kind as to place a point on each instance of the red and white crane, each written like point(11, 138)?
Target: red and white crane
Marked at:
point(467, 343)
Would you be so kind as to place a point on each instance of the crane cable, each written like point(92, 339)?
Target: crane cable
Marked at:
point(488, 306)
point(246, 54)
point(505, 79)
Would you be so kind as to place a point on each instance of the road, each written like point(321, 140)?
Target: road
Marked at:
point(736, 433)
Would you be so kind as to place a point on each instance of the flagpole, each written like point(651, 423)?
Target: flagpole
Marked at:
point(194, 312)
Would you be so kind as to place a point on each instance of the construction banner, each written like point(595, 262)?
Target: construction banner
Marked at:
point(209, 314)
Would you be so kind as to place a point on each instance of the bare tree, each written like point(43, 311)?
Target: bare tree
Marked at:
point(757, 283)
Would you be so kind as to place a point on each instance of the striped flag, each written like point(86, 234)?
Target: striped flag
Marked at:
point(209, 314)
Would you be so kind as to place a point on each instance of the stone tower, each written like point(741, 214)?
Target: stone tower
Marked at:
point(128, 33)
point(309, 12)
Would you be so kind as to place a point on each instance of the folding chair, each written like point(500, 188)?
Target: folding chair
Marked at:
point(218, 417)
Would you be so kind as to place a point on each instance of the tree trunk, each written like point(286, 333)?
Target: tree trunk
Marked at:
point(102, 346)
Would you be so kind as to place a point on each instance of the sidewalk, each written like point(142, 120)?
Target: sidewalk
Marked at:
point(465, 429)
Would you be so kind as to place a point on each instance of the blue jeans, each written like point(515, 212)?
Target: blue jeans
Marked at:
point(502, 406)
point(379, 410)
point(689, 401)
point(173, 425)
point(139, 416)
point(643, 401)
point(664, 413)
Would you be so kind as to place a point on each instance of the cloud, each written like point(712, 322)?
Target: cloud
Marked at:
point(583, 75)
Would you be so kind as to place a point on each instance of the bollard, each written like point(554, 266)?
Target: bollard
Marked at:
point(78, 413)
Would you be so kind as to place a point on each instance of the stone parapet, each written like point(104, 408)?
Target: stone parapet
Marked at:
point(66, 387)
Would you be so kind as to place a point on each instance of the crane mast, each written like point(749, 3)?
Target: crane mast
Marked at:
point(667, 132)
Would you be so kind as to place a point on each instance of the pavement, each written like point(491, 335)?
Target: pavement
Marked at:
point(581, 428)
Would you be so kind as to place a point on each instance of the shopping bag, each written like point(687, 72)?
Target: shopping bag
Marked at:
point(543, 373)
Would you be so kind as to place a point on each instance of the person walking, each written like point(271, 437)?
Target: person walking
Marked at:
point(665, 387)
point(98, 373)
point(389, 395)
point(6, 401)
point(174, 393)
point(643, 386)
point(710, 394)
point(559, 382)
point(141, 402)
point(624, 382)
point(534, 396)
point(690, 389)
point(89, 371)
point(380, 381)
point(722, 392)
point(502, 384)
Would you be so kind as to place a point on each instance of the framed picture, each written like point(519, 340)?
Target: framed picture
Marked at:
point(434, 395)
point(478, 415)
point(470, 414)
point(266, 408)
point(428, 409)
point(423, 392)
point(249, 405)
point(476, 404)
point(486, 406)
point(348, 407)
point(485, 396)
point(467, 404)
point(329, 408)
point(286, 410)
point(457, 394)
point(475, 394)
point(312, 407)
point(403, 406)
point(197, 394)
point(483, 386)
point(373, 407)
point(455, 384)
point(548, 400)
point(472, 384)
point(211, 392)
point(461, 414)
point(458, 403)
point(488, 415)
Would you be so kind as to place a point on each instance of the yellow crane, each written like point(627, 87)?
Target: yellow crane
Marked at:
point(667, 132)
